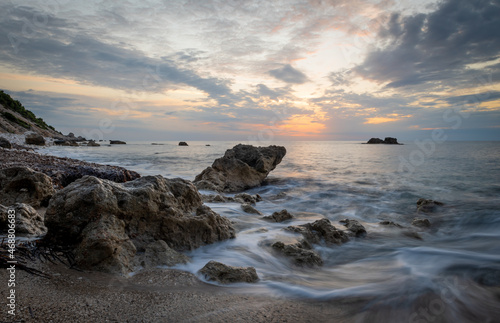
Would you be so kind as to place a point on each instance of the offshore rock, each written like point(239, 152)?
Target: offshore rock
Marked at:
point(280, 216)
point(241, 168)
point(300, 253)
point(117, 142)
point(320, 230)
point(98, 216)
point(183, 143)
point(427, 206)
point(222, 273)
point(355, 227)
point(387, 140)
point(28, 221)
point(24, 185)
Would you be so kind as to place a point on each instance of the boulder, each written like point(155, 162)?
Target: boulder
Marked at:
point(4, 143)
point(24, 185)
point(224, 274)
point(427, 206)
point(420, 222)
point(117, 142)
point(92, 212)
point(301, 253)
point(280, 216)
point(241, 168)
point(33, 138)
point(355, 227)
point(158, 253)
point(248, 208)
point(320, 230)
point(28, 221)
point(183, 143)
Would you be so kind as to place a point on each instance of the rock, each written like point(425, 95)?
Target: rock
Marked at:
point(4, 143)
point(207, 145)
point(158, 253)
point(239, 198)
point(300, 253)
point(33, 138)
point(390, 223)
point(320, 230)
point(412, 234)
point(71, 135)
point(355, 227)
point(27, 220)
point(219, 272)
point(280, 216)
point(248, 208)
point(24, 185)
point(117, 142)
point(387, 140)
point(183, 143)
point(420, 222)
point(427, 206)
point(129, 217)
point(92, 143)
point(241, 168)
point(247, 198)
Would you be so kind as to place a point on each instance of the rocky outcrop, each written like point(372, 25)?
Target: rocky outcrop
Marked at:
point(107, 222)
point(33, 138)
point(301, 253)
point(183, 143)
point(27, 220)
point(387, 140)
point(320, 230)
point(117, 142)
point(224, 274)
point(241, 168)
point(280, 216)
point(427, 206)
point(24, 185)
point(421, 222)
point(4, 143)
point(158, 253)
point(355, 227)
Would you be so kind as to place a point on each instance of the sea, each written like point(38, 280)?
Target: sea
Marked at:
point(447, 272)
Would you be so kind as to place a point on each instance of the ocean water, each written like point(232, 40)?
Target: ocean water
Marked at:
point(451, 273)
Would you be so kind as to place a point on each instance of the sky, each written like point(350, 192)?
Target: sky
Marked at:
point(256, 70)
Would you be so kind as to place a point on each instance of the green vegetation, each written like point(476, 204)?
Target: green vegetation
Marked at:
point(8, 102)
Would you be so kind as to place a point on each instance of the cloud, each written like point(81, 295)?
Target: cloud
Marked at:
point(288, 74)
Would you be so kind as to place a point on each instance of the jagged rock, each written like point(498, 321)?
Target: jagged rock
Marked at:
point(158, 253)
point(24, 185)
point(241, 168)
point(280, 216)
point(320, 230)
point(183, 143)
point(354, 226)
point(390, 223)
point(239, 198)
point(248, 208)
point(27, 220)
point(4, 143)
point(387, 140)
point(247, 198)
point(129, 217)
point(300, 252)
point(117, 142)
point(427, 206)
point(419, 222)
point(33, 138)
point(92, 143)
point(219, 272)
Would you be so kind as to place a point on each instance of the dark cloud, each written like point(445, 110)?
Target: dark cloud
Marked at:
point(288, 74)
point(437, 47)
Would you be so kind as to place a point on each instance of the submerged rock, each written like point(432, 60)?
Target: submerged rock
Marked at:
point(280, 216)
point(427, 206)
point(27, 220)
point(97, 216)
point(423, 223)
point(320, 230)
point(222, 273)
point(300, 253)
point(391, 224)
point(241, 168)
point(355, 227)
point(24, 185)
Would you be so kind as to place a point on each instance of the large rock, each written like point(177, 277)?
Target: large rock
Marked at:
point(222, 273)
point(301, 253)
point(4, 143)
point(96, 216)
point(387, 140)
point(241, 168)
point(427, 206)
point(183, 143)
point(320, 230)
point(27, 220)
point(33, 138)
point(24, 185)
